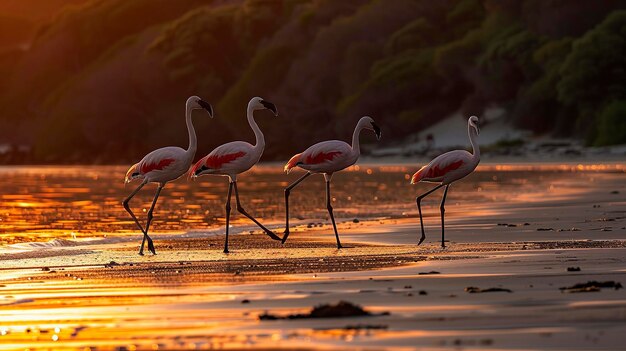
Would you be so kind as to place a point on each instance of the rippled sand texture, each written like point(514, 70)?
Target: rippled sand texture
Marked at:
point(509, 227)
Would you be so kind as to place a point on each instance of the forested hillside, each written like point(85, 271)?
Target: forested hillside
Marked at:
point(106, 80)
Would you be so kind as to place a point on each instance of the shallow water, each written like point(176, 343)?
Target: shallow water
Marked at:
point(39, 203)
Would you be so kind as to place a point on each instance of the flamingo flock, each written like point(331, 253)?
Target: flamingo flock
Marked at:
point(166, 164)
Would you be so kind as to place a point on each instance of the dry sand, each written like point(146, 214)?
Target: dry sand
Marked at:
point(101, 295)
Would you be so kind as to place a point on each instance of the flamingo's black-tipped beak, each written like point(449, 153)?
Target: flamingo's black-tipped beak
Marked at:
point(199, 170)
point(376, 130)
point(205, 105)
point(270, 106)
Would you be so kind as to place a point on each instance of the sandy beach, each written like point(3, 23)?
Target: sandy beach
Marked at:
point(98, 294)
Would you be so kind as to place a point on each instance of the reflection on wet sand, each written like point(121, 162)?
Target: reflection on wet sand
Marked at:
point(42, 203)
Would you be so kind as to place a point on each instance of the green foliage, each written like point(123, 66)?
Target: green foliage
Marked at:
point(503, 144)
point(595, 71)
point(408, 63)
point(411, 115)
point(452, 56)
point(416, 34)
point(466, 15)
point(264, 73)
point(212, 46)
point(548, 59)
point(512, 46)
point(537, 106)
point(91, 23)
point(412, 68)
point(403, 68)
point(612, 124)
point(509, 143)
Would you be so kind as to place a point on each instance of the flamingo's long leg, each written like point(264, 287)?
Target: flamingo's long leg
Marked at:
point(145, 234)
point(230, 191)
point(443, 210)
point(287, 192)
point(128, 209)
point(419, 209)
point(243, 212)
point(330, 211)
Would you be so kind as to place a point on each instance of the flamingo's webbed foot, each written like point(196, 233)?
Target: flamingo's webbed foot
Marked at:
point(272, 235)
point(285, 235)
point(421, 240)
point(151, 247)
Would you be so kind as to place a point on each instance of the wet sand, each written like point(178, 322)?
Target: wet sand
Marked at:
point(99, 294)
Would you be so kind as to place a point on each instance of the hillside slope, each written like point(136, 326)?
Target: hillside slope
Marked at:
point(105, 81)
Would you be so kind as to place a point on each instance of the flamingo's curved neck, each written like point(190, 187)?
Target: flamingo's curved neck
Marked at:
point(193, 141)
point(356, 146)
point(471, 131)
point(260, 139)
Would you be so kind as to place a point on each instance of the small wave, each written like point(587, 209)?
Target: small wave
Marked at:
point(62, 243)
point(17, 302)
point(52, 243)
point(44, 245)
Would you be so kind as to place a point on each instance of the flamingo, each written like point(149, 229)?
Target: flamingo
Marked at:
point(237, 157)
point(446, 169)
point(327, 157)
point(162, 166)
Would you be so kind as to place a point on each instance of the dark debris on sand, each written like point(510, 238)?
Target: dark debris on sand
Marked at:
point(477, 290)
point(591, 286)
point(111, 264)
point(341, 309)
point(507, 225)
point(427, 273)
point(359, 327)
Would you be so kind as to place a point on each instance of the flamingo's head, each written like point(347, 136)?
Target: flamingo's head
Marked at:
point(257, 103)
point(473, 122)
point(368, 123)
point(196, 103)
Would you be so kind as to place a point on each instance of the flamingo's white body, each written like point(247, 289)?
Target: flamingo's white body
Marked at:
point(161, 165)
point(327, 157)
point(164, 165)
point(448, 168)
point(234, 158)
